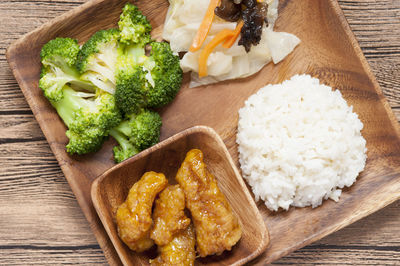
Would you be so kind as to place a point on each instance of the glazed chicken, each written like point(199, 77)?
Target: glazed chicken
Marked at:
point(180, 251)
point(134, 215)
point(168, 215)
point(217, 228)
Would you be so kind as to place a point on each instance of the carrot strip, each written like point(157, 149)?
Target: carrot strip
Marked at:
point(205, 53)
point(205, 26)
point(229, 42)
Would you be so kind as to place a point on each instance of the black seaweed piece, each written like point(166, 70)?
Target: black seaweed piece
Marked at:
point(249, 3)
point(228, 10)
point(253, 19)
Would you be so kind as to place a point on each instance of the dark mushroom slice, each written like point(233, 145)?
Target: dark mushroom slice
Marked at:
point(253, 19)
point(249, 3)
point(228, 10)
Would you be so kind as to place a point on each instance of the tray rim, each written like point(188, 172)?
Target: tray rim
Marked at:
point(78, 194)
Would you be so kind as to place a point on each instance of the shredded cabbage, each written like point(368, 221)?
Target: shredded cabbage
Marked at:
point(182, 22)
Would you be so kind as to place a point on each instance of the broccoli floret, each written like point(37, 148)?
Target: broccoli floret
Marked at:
point(89, 120)
point(98, 57)
point(134, 26)
point(146, 129)
point(145, 81)
point(166, 74)
point(132, 87)
point(61, 52)
point(140, 131)
point(58, 58)
point(158, 76)
point(131, 81)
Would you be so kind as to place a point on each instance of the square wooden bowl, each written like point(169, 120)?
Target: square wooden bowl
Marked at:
point(111, 189)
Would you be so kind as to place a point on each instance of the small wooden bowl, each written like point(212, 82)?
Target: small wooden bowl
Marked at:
point(111, 189)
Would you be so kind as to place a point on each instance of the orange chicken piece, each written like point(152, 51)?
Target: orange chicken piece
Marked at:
point(217, 227)
point(134, 215)
point(168, 215)
point(180, 251)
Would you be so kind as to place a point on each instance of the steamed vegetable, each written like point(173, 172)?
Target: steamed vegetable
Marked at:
point(229, 60)
point(58, 59)
point(230, 41)
point(134, 26)
point(158, 79)
point(140, 131)
point(219, 38)
point(104, 87)
point(166, 73)
point(205, 26)
point(89, 120)
point(253, 17)
point(98, 57)
point(229, 10)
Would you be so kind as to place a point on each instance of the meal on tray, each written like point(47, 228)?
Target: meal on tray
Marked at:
point(210, 225)
point(299, 142)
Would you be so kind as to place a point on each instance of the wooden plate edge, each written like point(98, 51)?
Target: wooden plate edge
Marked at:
point(367, 68)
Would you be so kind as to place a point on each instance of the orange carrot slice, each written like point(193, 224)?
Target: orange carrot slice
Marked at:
point(205, 26)
point(205, 53)
point(229, 42)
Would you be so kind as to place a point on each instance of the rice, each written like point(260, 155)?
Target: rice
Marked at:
point(299, 143)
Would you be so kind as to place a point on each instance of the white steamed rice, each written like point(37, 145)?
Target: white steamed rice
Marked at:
point(299, 143)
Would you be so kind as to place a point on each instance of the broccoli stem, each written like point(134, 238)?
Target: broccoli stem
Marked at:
point(84, 85)
point(124, 128)
point(68, 74)
point(125, 149)
point(122, 140)
point(135, 52)
point(105, 70)
point(69, 104)
point(60, 64)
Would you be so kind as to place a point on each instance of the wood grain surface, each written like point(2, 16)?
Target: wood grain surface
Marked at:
point(41, 222)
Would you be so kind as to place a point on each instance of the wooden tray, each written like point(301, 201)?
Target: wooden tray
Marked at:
point(328, 51)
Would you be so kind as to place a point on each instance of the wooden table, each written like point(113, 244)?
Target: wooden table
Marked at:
point(40, 220)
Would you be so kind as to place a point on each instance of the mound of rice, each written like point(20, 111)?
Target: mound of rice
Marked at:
point(299, 142)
